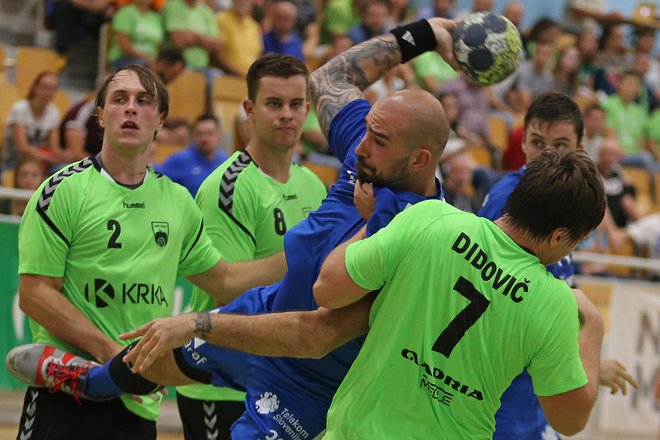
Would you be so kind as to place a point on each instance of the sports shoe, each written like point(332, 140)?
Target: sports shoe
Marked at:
point(40, 365)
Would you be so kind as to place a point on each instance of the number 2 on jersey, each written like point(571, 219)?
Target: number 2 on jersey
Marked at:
point(115, 227)
point(466, 318)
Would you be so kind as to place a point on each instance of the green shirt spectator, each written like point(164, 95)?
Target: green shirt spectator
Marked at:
point(197, 28)
point(141, 29)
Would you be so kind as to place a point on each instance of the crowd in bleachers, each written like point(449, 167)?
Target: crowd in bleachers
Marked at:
point(203, 48)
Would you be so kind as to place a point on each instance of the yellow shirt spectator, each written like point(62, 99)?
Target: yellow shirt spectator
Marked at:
point(241, 39)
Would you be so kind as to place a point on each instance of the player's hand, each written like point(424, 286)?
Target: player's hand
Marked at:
point(158, 337)
point(442, 28)
point(615, 376)
point(363, 196)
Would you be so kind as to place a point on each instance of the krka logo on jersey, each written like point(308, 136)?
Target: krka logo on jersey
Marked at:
point(101, 293)
point(161, 232)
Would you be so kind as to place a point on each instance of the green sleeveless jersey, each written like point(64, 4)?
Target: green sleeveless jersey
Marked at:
point(117, 249)
point(463, 309)
point(246, 214)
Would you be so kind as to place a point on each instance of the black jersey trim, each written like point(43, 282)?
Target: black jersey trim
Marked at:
point(226, 190)
point(199, 234)
point(49, 190)
point(189, 370)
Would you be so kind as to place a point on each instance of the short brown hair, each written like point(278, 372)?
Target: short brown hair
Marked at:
point(559, 189)
point(278, 65)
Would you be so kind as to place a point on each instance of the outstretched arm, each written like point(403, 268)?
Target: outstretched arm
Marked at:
point(343, 78)
point(310, 334)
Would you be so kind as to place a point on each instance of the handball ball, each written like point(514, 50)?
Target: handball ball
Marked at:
point(487, 47)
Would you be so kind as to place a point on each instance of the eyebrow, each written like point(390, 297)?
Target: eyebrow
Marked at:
point(565, 139)
point(375, 132)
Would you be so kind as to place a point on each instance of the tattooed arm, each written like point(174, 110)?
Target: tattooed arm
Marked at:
point(343, 78)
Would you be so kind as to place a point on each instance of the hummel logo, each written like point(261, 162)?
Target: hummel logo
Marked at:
point(409, 38)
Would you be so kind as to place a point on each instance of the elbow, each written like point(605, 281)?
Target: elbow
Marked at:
point(320, 293)
point(572, 427)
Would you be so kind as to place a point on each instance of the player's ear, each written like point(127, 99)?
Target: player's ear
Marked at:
point(248, 106)
point(99, 115)
point(421, 157)
point(557, 236)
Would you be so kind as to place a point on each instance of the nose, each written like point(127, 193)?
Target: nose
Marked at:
point(286, 112)
point(361, 149)
point(130, 105)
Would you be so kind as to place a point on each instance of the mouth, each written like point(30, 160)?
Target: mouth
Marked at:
point(129, 125)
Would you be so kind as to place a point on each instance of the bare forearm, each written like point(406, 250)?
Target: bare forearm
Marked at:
point(61, 318)
point(291, 334)
point(590, 340)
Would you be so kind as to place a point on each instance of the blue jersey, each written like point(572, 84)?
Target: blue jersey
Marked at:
point(520, 416)
point(289, 398)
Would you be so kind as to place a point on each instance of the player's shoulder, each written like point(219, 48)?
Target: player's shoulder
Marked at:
point(304, 174)
point(68, 184)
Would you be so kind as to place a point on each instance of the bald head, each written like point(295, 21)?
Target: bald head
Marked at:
point(422, 119)
point(514, 12)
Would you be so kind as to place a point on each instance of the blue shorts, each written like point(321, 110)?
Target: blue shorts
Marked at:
point(208, 363)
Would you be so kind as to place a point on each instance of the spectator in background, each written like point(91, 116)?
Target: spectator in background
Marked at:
point(644, 43)
point(73, 19)
point(240, 35)
point(80, 131)
point(31, 127)
point(398, 78)
point(340, 16)
point(169, 64)
point(192, 28)
point(610, 59)
point(545, 30)
point(137, 35)
point(474, 106)
point(307, 27)
point(566, 71)
point(630, 122)
point(191, 166)
point(373, 21)
point(534, 75)
point(595, 130)
point(431, 71)
point(400, 13)
point(641, 63)
point(457, 174)
point(587, 44)
point(28, 175)
point(514, 11)
point(282, 37)
point(620, 193)
point(440, 8)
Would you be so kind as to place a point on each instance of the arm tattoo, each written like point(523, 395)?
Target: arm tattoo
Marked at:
point(202, 325)
point(343, 78)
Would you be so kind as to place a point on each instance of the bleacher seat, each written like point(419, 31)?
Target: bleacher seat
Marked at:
point(30, 61)
point(641, 180)
point(228, 94)
point(327, 173)
point(188, 95)
point(499, 133)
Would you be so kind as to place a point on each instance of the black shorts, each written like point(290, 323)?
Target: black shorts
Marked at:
point(208, 419)
point(58, 416)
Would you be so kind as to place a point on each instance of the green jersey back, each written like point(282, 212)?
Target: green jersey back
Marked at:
point(117, 249)
point(246, 214)
point(463, 309)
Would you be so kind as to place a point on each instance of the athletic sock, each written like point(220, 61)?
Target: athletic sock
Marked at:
point(100, 383)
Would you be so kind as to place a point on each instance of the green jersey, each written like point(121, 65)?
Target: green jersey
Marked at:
point(246, 214)
point(463, 309)
point(117, 249)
